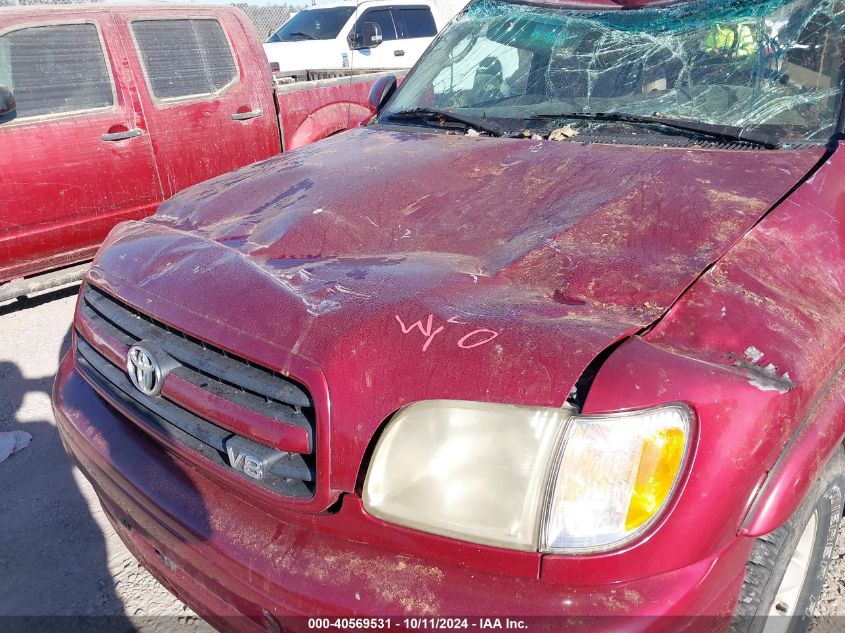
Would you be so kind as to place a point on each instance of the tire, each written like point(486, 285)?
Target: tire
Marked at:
point(771, 556)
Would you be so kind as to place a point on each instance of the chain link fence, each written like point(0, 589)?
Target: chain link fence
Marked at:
point(265, 17)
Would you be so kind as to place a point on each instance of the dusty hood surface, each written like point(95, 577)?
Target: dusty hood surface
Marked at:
point(518, 261)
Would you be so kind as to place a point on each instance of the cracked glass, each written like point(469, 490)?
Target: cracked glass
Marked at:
point(773, 67)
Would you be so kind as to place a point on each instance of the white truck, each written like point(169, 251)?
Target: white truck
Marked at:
point(357, 36)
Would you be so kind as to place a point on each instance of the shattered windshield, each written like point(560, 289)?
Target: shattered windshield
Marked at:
point(772, 67)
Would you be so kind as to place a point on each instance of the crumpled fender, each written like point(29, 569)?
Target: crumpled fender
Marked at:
point(757, 347)
point(820, 433)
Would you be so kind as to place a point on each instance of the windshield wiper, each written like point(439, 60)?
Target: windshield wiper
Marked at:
point(307, 36)
point(723, 132)
point(434, 114)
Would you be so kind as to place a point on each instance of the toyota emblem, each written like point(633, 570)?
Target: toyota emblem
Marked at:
point(144, 370)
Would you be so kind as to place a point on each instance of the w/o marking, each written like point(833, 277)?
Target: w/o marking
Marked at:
point(468, 341)
point(424, 331)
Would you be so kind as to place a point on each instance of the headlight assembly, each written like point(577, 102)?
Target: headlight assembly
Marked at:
point(527, 478)
point(474, 471)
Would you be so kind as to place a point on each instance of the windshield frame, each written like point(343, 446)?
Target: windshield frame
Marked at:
point(587, 7)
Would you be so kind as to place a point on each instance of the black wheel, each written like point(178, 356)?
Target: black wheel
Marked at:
point(786, 571)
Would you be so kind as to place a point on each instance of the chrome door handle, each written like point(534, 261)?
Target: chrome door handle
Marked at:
point(120, 136)
point(243, 116)
point(398, 53)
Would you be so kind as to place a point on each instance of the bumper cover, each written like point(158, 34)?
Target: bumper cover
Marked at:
point(243, 568)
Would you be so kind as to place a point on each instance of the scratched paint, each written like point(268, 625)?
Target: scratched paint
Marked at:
point(559, 252)
point(675, 274)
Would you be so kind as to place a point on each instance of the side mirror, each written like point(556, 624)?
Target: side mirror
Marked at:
point(370, 36)
point(382, 90)
point(7, 101)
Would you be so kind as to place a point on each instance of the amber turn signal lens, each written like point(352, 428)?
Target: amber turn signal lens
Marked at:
point(660, 461)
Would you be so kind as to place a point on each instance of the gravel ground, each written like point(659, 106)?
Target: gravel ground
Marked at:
point(58, 553)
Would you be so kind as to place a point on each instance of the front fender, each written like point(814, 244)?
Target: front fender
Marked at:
point(739, 431)
point(820, 433)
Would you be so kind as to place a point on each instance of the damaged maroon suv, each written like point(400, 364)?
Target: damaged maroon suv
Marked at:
point(561, 333)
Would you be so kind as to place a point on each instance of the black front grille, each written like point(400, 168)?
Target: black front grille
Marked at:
point(209, 369)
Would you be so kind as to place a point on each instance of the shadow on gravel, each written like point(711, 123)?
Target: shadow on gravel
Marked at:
point(55, 574)
point(53, 559)
point(31, 302)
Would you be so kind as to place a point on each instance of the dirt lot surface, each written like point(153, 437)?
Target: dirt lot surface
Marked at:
point(58, 554)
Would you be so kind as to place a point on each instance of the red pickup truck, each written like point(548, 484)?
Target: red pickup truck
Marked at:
point(559, 338)
point(107, 111)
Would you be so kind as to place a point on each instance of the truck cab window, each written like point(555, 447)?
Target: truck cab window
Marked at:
point(313, 24)
point(184, 58)
point(55, 69)
point(381, 17)
point(414, 22)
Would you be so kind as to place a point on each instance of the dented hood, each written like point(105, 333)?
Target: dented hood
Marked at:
point(410, 266)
